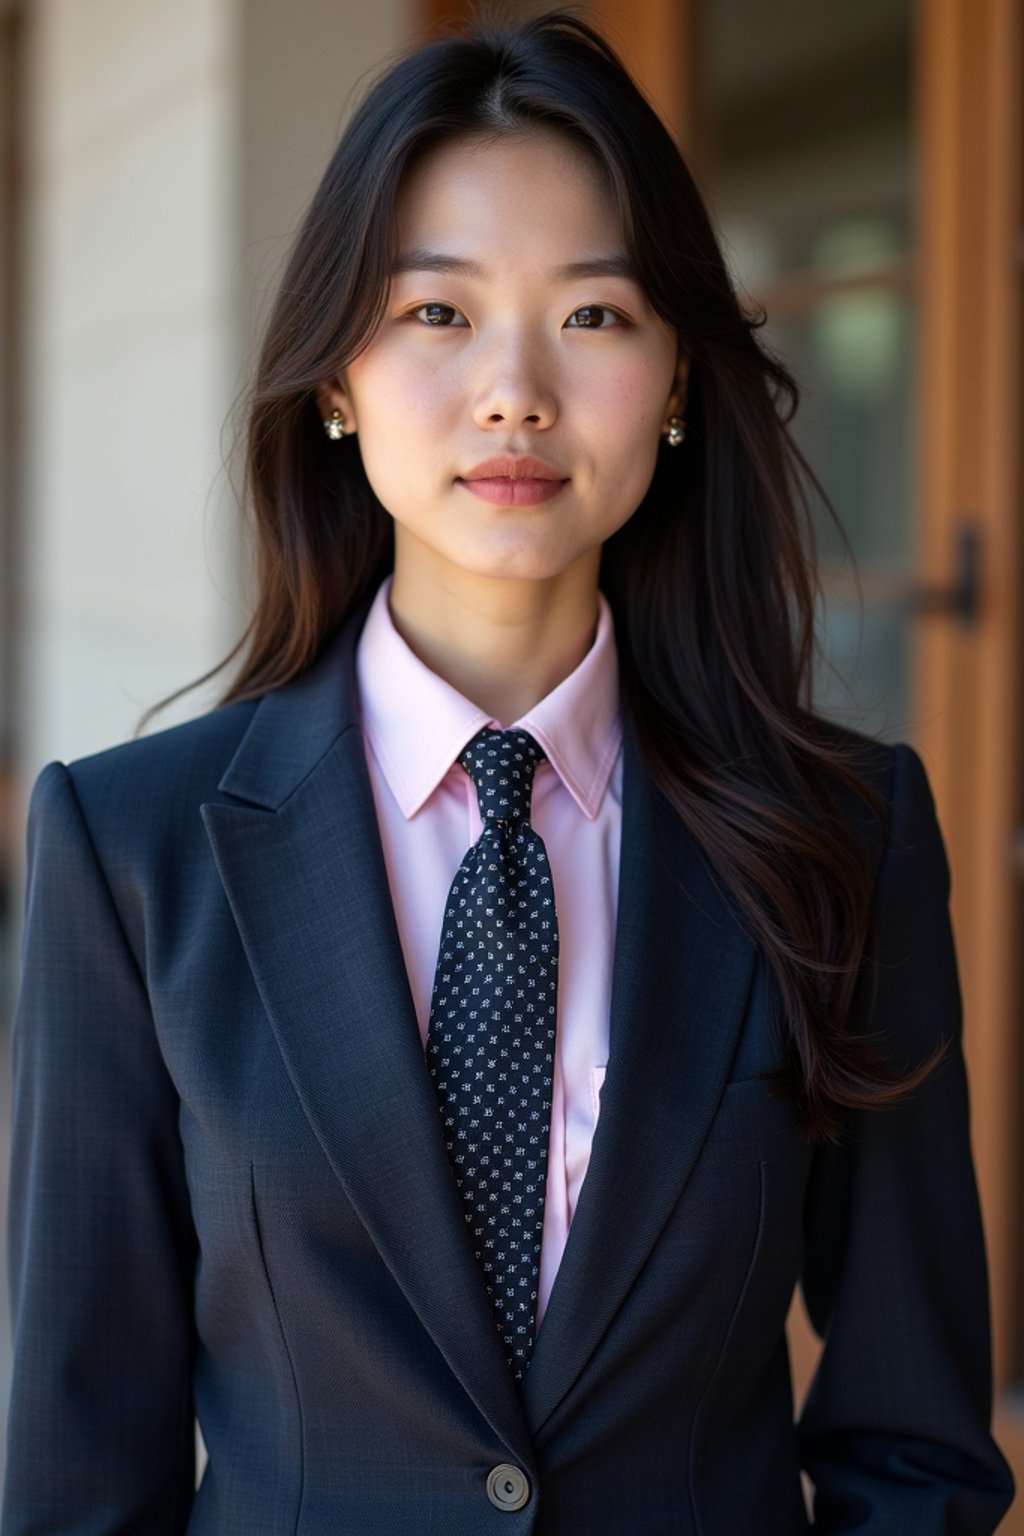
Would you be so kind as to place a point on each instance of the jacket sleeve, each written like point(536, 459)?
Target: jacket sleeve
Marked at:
point(894, 1432)
point(101, 1250)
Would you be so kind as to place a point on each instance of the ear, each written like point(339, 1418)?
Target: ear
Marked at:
point(333, 396)
point(676, 405)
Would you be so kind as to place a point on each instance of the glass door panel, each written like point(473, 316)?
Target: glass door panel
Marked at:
point(807, 132)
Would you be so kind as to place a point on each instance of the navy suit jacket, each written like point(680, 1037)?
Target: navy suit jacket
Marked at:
point(230, 1197)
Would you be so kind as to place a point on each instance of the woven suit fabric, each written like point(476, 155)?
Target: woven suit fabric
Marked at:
point(491, 1036)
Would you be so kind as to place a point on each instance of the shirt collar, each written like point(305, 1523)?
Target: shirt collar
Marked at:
point(417, 723)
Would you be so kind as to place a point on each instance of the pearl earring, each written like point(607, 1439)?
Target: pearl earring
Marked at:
point(675, 431)
point(334, 425)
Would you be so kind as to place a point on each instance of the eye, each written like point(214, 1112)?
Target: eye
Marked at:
point(435, 318)
point(595, 315)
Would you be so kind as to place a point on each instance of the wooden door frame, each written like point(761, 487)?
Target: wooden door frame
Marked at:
point(967, 680)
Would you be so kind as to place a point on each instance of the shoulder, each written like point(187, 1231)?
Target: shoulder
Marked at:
point(160, 779)
point(893, 770)
point(911, 875)
point(869, 756)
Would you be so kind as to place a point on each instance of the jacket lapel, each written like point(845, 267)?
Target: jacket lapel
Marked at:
point(307, 883)
point(683, 967)
point(303, 868)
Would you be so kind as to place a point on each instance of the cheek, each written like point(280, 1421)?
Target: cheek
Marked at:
point(401, 413)
point(617, 404)
point(632, 395)
point(621, 413)
point(406, 389)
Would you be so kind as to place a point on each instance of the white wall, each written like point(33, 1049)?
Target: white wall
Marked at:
point(172, 151)
point(132, 210)
point(304, 65)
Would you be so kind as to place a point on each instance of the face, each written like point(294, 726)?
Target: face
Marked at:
point(508, 354)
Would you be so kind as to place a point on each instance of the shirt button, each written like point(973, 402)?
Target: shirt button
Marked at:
point(507, 1487)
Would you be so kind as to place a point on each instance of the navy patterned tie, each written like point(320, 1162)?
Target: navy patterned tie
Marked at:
point(491, 1039)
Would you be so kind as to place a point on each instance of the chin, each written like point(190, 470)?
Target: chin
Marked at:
point(518, 563)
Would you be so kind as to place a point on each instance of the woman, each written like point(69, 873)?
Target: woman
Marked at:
point(437, 1065)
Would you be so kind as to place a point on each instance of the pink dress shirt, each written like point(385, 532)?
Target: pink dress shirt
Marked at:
point(415, 725)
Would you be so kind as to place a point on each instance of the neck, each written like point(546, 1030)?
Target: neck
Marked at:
point(504, 644)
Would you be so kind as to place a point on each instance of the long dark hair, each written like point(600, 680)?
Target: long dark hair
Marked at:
point(713, 580)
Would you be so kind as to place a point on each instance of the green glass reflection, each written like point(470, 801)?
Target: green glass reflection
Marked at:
point(812, 189)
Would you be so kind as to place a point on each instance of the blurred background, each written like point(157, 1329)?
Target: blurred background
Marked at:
point(863, 164)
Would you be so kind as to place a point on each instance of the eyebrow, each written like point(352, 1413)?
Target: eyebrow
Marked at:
point(420, 259)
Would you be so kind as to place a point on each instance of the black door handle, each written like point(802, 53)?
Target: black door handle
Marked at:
point(961, 597)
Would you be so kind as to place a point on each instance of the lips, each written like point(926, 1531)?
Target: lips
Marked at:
point(508, 467)
point(503, 491)
point(507, 481)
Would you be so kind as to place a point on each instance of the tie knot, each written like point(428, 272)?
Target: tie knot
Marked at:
point(501, 765)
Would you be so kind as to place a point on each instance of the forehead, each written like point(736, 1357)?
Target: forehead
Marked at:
point(506, 194)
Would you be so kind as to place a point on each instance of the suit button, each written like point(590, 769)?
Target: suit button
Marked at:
point(507, 1487)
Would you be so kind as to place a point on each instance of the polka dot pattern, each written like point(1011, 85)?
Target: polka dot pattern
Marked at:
point(491, 1037)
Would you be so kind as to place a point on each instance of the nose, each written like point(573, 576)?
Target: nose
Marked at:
point(515, 388)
